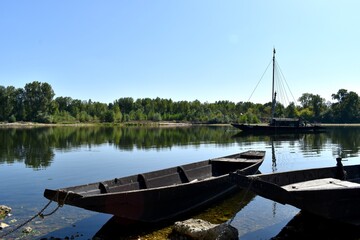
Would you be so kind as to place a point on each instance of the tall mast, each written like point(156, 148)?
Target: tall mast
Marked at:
point(273, 96)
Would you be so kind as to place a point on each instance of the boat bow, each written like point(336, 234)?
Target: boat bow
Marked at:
point(62, 197)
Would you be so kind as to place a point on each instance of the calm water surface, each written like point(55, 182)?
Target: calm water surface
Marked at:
point(38, 158)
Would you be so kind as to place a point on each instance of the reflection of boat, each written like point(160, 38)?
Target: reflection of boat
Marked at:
point(308, 226)
point(272, 136)
point(162, 194)
point(216, 213)
point(332, 192)
point(279, 125)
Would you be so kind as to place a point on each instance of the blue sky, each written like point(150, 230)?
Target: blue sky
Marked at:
point(184, 50)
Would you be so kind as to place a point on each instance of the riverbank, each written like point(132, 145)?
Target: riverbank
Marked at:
point(134, 123)
point(141, 123)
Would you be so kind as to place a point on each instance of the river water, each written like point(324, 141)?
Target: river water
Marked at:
point(33, 159)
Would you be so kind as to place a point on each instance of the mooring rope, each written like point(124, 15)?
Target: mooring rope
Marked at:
point(39, 214)
point(243, 199)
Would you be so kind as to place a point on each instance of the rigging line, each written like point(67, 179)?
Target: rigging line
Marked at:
point(286, 82)
point(282, 93)
point(259, 80)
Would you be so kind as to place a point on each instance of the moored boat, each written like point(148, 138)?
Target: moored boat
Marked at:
point(332, 192)
point(164, 194)
point(278, 125)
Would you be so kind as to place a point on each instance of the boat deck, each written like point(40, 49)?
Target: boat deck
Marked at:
point(245, 160)
point(321, 184)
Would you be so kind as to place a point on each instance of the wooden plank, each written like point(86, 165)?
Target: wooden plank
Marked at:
point(318, 184)
point(235, 160)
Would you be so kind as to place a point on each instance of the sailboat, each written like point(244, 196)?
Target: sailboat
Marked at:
point(279, 125)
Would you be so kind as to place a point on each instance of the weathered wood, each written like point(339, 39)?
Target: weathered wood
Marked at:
point(318, 191)
point(164, 194)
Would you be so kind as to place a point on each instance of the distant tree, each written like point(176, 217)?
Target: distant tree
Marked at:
point(347, 109)
point(125, 104)
point(290, 111)
point(19, 105)
point(38, 101)
point(117, 113)
point(315, 103)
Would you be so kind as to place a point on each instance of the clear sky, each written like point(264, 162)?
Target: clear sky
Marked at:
point(181, 50)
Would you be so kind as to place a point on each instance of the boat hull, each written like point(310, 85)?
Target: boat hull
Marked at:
point(277, 129)
point(318, 191)
point(159, 203)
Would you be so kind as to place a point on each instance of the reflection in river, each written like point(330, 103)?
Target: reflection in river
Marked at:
point(35, 146)
point(307, 226)
point(33, 159)
point(220, 212)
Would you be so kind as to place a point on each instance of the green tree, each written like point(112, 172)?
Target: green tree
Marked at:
point(347, 109)
point(315, 103)
point(5, 104)
point(38, 101)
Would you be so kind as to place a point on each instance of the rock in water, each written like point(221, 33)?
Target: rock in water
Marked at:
point(198, 229)
point(3, 225)
point(27, 230)
point(4, 211)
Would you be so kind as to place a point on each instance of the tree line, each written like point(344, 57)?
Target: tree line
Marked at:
point(36, 103)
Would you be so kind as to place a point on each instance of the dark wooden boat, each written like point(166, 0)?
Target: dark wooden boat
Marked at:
point(279, 125)
point(297, 127)
point(332, 192)
point(163, 194)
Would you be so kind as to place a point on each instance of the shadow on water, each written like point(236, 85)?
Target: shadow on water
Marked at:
point(308, 226)
point(222, 211)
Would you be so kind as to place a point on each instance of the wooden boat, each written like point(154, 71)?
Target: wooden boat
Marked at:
point(279, 125)
point(163, 194)
point(332, 192)
point(295, 127)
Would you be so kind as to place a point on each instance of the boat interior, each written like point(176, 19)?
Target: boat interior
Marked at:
point(172, 176)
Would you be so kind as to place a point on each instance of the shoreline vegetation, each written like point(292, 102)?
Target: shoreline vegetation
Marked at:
point(126, 124)
point(36, 103)
point(140, 124)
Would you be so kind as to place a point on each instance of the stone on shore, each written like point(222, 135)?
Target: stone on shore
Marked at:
point(198, 229)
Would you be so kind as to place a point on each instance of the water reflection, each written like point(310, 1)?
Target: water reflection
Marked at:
point(36, 146)
point(219, 212)
point(307, 226)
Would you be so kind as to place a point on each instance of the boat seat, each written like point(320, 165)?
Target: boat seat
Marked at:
point(183, 175)
point(199, 173)
point(123, 187)
point(104, 188)
point(235, 160)
point(142, 181)
point(169, 179)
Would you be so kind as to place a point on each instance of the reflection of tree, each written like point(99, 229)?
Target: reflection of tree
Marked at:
point(313, 143)
point(35, 146)
point(342, 137)
point(28, 145)
point(345, 138)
